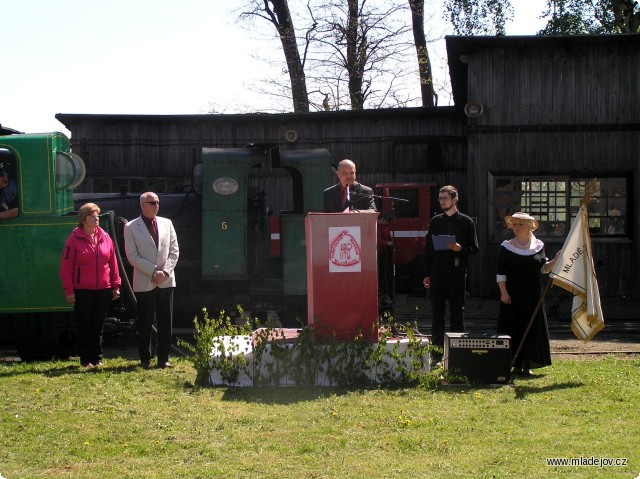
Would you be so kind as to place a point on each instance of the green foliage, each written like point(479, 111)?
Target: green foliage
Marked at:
point(282, 361)
point(576, 17)
point(478, 17)
point(304, 360)
point(230, 361)
point(580, 17)
point(564, 17)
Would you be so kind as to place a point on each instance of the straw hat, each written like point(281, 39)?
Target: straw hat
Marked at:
point(522, 217)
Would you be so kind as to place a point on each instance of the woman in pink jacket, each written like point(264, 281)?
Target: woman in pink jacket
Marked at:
point(90, 278)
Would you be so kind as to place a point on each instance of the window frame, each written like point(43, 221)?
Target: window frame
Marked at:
point(564, 193)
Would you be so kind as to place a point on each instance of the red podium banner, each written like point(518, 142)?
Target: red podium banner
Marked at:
point(342, 275)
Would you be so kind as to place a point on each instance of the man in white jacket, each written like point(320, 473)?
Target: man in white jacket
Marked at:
point(152, 249)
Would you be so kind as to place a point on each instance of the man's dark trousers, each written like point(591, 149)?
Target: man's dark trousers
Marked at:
point(448, 283)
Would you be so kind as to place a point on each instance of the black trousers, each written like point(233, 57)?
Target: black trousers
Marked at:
point(91, 309)
point(448, 283)
point(156, 304)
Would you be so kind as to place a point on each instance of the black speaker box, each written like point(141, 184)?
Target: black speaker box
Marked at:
point(480, 357)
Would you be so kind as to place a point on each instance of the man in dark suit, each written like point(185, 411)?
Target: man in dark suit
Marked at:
point(348, 194)
point(152, 249)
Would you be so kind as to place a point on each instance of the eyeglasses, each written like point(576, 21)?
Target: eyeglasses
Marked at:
point(154, 203)
point(444, 198)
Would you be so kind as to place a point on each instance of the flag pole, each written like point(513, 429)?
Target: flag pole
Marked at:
point(589, 189)
point(533, 317)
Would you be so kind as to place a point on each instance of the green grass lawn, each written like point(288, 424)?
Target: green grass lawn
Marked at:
point(58, 421)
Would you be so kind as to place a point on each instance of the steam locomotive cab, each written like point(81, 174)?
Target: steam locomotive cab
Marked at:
point(237, 185)
point(33, 310)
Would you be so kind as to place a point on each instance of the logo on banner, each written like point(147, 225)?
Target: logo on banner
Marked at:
point(344, 249)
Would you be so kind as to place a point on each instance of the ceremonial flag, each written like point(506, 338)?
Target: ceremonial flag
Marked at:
point(575, 272)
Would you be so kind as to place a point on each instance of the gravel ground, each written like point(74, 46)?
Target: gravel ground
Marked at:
point(620, 345)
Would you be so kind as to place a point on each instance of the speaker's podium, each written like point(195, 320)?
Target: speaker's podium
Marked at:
point(342, 275)
point(480, 357)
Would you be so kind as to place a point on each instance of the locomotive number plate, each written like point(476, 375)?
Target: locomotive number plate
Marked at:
point(225, 186)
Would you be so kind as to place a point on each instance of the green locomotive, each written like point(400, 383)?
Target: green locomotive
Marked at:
point(33, 311)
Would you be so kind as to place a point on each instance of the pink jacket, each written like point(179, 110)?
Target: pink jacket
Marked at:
point(85, 267)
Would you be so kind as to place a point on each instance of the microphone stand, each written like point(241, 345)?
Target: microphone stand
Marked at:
point(364, 195)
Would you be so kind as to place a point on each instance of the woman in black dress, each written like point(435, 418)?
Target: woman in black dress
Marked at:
point(520, 261)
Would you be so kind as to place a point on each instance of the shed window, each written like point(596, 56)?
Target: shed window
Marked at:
point(554, 202)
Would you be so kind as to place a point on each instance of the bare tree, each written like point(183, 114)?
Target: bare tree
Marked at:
point(353, 54)
point(280, 17)
point(424, 62)
point(363, 47)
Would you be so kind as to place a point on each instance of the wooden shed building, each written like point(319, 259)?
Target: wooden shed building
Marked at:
point(534, 119)
point(544, 116)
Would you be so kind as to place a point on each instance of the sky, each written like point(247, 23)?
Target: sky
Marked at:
point(150, 57)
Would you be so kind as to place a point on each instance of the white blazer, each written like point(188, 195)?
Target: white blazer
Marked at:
point(146, 258)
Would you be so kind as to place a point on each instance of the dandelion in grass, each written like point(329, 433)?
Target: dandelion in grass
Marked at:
point(442, 447)
point(403, 421)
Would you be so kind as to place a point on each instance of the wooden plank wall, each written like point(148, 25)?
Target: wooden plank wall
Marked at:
point(568, 109)
point(403, 145)
point(561, 84)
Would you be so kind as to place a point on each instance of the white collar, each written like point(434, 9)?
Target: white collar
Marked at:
point(535, 246)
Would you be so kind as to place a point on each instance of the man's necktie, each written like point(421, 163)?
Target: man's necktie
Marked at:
point(154, 231)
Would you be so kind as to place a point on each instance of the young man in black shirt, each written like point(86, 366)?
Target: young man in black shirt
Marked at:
point(445, 267)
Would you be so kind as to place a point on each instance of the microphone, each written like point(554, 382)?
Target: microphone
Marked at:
point(357, 195)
